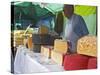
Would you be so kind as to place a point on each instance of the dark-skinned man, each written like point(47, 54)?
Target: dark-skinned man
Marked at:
point(75, 27)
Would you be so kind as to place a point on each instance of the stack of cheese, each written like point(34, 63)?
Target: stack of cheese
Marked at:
point(19, 37)
point(60, 49)
point(46, 51)
point(18, 41)
point(87, 45)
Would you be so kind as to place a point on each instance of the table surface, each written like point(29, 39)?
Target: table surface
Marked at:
point(27, 61)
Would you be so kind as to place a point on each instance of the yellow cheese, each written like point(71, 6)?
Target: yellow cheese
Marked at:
point(57, 57)
point(46, 51)
point(18, 41)
point(60, 46)
point(43, 30)
point(87, 45)
point(19, 37)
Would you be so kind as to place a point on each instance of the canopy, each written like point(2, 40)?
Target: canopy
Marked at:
point(79, 9)
point(36, 11)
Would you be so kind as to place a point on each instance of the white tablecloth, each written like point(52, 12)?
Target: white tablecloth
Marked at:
point(27, 62)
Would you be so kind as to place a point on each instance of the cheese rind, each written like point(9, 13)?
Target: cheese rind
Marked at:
point(87, 45)
point(60, 46)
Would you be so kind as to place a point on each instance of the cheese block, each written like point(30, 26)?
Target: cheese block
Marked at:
point(29, 43)
point(60, 46)
point(57, 57)
point(43, 29)
point(46, 51)
point(87, 45)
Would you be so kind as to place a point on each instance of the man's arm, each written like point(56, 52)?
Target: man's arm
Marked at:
point(83, 27)
point(80, 28)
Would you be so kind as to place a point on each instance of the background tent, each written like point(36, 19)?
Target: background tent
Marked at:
point(27, 12)
point(89, 13)
point(36, 11)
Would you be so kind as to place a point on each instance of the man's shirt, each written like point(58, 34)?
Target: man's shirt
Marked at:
point(74, 29)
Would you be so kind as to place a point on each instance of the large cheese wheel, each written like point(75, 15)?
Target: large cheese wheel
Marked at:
point(60, 46)
point(87, 45)
point(57, 57)
point(75, 62)
point(92, 64)
point(46, 51)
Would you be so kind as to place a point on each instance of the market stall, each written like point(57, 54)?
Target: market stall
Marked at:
point(39, 45)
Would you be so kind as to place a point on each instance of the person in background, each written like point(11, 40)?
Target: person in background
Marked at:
point(46, 22)
point(75, 27)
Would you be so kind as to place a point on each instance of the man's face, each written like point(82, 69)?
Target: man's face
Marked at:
point(68, 11)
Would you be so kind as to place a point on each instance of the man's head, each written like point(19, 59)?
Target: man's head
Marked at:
point(68, 10)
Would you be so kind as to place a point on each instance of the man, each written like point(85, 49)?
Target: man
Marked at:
point(75, 27)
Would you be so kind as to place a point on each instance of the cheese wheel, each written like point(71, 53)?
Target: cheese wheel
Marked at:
point(60, 46)
point(87, 45)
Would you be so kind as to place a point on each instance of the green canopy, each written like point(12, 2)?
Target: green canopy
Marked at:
point(89, 13)
point(85, 10)
point(35, 10)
